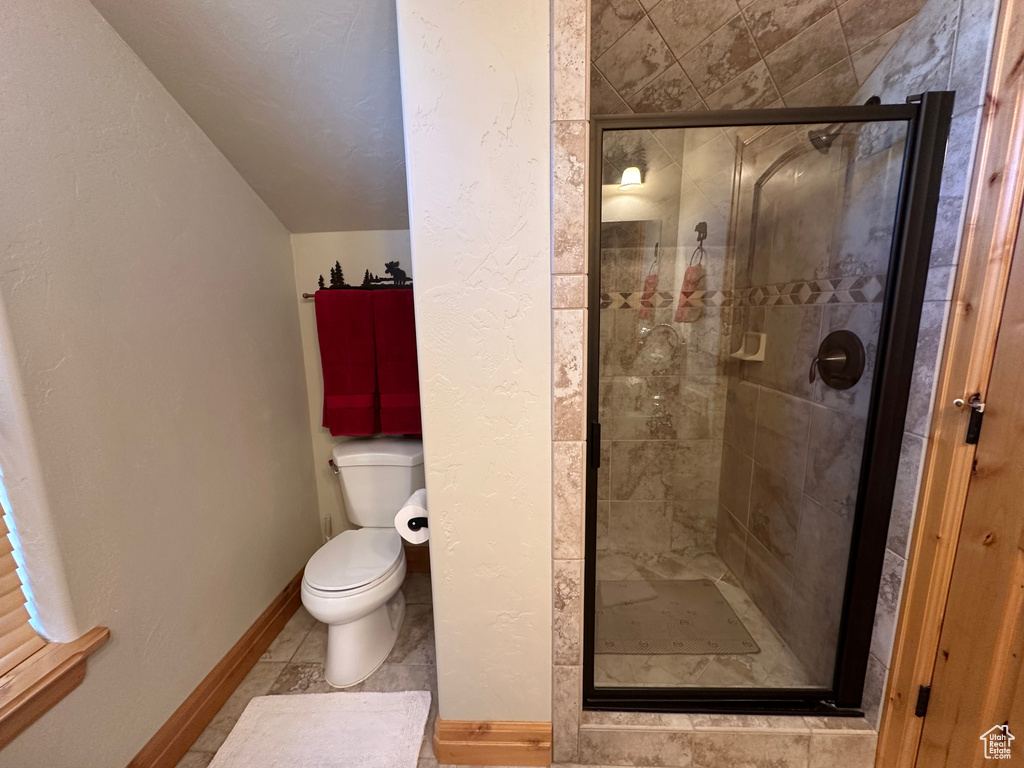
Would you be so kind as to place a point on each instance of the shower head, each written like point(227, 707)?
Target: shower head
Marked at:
point(824, 138)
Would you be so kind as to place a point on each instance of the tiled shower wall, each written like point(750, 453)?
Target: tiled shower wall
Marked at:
point(677, 55)
point(946, 45)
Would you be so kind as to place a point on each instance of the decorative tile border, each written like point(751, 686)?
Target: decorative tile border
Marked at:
point(843, 290)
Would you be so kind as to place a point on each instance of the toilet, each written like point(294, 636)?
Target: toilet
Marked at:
point(353, 582)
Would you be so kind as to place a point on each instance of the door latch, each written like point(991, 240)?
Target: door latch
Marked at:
point(977, 414)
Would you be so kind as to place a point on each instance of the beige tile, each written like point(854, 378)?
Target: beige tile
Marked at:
point(567, 624)
point(195, 760)
point(946, 239)
point(769, 585)
point(929, 344)
point(569, 216)
point(675, 722)
point(290, 638)
point(390, 678)
point(750, 750)
point(811, 630)
point(874, 690)
point(887, 609)
point(302, 677)
point(257, 682)
point(665, 470)
point(639, 526)
point(693, 524)
point(866, 20)
point(971, 57)
point(671, 91)
point(416, 589)
point(610, 20)
point(635, 747)
point(904, 503)
point(569, 379)
point(569, 292)
point(741, 415)
point(849, 750)
point(568, 481)
point(823, 552)
point(314, 646)
point(565, 712)
point(569, 61)
point(828, 725)
point(774, 22)
point(809, 53)
point(783, 426)
point(684, 23)
point(750, 723)
point(753, 89)
point(415, 644)
point(635, 59)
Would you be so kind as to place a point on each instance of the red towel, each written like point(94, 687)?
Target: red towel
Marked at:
point(397, 371)
point(693, 280)
point(344, 326)
point(646, 299)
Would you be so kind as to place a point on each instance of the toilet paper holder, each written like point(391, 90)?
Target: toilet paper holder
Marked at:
point(416, 523)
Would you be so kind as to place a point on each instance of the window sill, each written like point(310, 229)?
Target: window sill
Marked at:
point(43, 679)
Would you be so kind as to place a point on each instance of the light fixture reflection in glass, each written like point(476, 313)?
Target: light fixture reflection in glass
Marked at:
point(631, 178)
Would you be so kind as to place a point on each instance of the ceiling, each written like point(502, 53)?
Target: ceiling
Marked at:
point(302, 96)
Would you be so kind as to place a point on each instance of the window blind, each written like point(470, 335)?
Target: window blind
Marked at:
point(18, 640)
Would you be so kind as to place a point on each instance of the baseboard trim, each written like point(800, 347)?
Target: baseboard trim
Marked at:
point(482, 742)
point(417, 558)
point(174, 738)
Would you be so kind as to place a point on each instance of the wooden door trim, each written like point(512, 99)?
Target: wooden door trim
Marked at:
point(990, 233)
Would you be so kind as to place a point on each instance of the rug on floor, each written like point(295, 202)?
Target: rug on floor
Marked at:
point(354, 730)
point(685, 617)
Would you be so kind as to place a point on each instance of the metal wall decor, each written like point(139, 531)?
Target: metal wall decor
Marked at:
point(397, 278)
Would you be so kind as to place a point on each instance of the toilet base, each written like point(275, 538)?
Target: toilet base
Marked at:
point(355, 650)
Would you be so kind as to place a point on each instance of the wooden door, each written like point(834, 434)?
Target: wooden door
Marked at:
point(977, 682)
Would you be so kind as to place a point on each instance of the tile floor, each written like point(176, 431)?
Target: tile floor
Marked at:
point(294, 664)
point(774, 666)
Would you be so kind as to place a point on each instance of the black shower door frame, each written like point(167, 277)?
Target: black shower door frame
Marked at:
point(928, 118)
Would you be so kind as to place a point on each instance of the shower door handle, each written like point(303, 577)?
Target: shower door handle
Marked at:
point(840, 360)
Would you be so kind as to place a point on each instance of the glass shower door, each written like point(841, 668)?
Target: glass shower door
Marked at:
point(752, 279)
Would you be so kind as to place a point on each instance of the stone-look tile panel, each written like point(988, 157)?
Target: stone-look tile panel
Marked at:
point(635, 59)
point(754, 89)
point(972, 54)
point(904, 501)
point(866, 20)
point(783, 426)
point(569, 375)
point(887, 610)
point(649, 470)
point(693, 524)
point(567, 482)
point(767, 582)
point(731, 541)
point(569, 291)
point(566, 706)
point(603, 98)
point(874, 690)
point(570, 64)
point(750, 750)
point(822, 552)
point(871, 55)
point(721, 57)
point(775, 515)
point(926, 356)
point(684, 23)
point(671, 91)
point(734, 486)
point(668, 721)
point(774, 23)
point(569, 197)
point(567, 623)
point(812, 631)
point(812, 51)
point(639, 526)
point(829, 88)
point(635, 747)
point(610, 20)
point(834, 459)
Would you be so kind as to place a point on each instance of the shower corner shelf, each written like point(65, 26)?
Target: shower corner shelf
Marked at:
point(749, 339)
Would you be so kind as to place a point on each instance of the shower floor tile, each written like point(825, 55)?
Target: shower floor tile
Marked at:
point(774, 667)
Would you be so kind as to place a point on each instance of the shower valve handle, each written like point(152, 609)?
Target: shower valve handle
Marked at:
point(834, 360)
point(840, 360)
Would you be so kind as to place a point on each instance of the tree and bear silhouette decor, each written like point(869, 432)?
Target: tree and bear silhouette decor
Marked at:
point(398, 278)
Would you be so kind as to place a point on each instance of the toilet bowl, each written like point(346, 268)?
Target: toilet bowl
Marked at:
point(353, 582)
point(353, 585)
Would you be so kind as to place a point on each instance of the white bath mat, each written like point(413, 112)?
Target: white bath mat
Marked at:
point(324, 730)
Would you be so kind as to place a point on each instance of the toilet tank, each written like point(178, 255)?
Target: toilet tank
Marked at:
point(377, 475)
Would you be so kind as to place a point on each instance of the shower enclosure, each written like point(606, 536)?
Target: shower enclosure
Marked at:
point(756, 288)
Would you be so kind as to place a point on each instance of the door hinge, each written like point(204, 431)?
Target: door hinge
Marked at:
point(924, 693)
point(594, 445)
point(977, 414)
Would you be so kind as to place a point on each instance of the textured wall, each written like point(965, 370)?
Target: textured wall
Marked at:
point(151, 302)
point(302, 96)
point(475, 90)
point(314, 255)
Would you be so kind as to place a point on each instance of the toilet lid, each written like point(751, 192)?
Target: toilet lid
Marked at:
point(353, 559)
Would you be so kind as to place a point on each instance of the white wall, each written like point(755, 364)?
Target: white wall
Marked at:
point(314, 255)
point(475, 87)
point(151, 302)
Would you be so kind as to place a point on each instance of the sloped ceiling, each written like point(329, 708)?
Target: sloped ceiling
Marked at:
point(302, 96)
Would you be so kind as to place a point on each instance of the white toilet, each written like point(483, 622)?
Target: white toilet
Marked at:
point(352, 583)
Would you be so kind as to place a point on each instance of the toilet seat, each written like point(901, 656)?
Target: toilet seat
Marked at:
point(354, 561)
